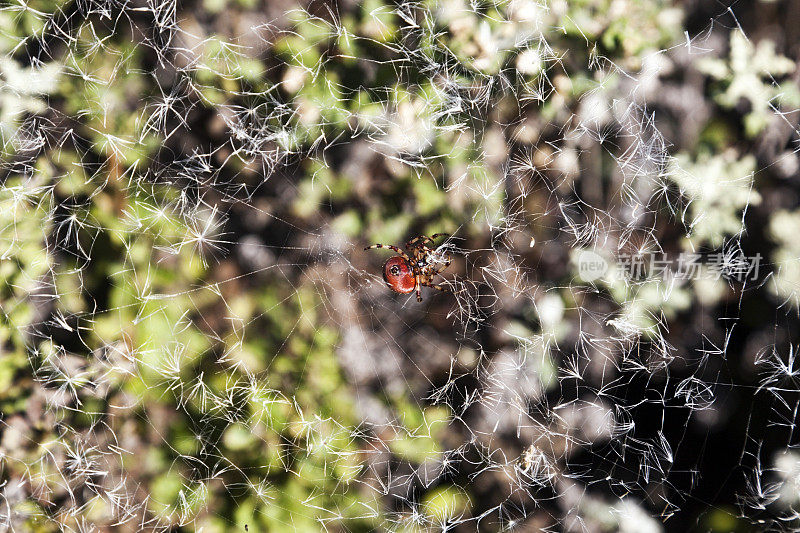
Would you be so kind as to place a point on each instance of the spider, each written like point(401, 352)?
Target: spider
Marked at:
point(407, 272)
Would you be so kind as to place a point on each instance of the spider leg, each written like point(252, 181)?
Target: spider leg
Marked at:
point(395, 249)
point(419, 286)
point(415, 240)
point(444, 266)
point(425, 238)
point(437, 287)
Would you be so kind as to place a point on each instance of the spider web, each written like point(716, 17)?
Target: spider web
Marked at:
point(195, 339)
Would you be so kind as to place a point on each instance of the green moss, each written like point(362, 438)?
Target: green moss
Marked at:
point(446, 503)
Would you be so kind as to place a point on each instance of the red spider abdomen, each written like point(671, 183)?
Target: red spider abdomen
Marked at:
point(398, 275)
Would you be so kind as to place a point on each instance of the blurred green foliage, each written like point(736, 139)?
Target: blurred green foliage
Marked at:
point(750, 73)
